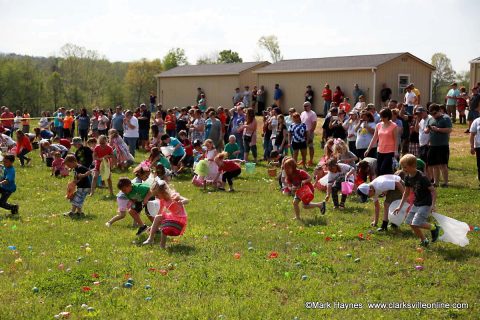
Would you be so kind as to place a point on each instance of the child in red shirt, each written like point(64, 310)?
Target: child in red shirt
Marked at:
point(102, 152)
point(23, 147)
point(295, 179)
point(229, 168)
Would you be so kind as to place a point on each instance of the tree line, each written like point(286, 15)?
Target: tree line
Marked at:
point(79, 77)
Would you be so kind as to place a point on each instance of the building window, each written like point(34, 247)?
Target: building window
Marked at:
point(403, 82)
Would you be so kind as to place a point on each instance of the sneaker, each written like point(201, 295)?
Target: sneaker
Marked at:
point(69, 214)
point(435, 233)
point(231, 190)
point(148, 241)
point(382, 229)
point(310, 163)
point(141, 229)
point(15, 209)
point(108, 224)
point(221, 188)
point(341, 206)
point(425, 243)
point(323, 207)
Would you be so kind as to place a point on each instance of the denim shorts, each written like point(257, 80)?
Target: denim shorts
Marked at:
point(418, 215)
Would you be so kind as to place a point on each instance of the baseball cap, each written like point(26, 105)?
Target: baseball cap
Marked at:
point(363, 190)
point(307, 104)
point(420, 109)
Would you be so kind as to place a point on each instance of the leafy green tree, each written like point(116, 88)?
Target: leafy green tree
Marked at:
point(174, 58)
point(55, 88)
point(229, 56)
point(140, 79)
point(443, 74)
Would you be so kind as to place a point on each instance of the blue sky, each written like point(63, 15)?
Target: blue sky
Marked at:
point(129, 30)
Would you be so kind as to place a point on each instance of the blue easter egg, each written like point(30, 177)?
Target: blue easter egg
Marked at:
point(148, 287)
point(130, 280)
point(12, 247)
point(128, 285)
point(90, 309)
point(148, 298)
point(35, 290)
point(304, 277)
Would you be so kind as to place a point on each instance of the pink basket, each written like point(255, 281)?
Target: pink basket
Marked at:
point(305, 194)
point(347, 187)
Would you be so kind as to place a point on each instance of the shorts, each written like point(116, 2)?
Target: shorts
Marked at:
point(423, 153)
point(171, 228)
point(138, 206)
point(174, 160)
point(79, 197)
point(123, 204)
point(438, 155)
point(418, 215)
point(311, 136)
point(299, 145)
point(393, 195)
point(143, 134)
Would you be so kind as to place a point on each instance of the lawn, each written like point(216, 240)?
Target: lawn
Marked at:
point(242, 256)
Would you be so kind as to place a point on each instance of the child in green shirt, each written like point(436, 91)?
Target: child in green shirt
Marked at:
point(139, 194)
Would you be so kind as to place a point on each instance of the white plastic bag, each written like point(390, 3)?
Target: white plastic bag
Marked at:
point(454, 231)
point(153, 207)
point(398, 218)
point(324, 180)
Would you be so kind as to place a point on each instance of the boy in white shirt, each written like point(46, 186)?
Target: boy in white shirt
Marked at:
point(392, 186)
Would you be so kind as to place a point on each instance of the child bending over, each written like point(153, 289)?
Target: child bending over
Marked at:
point(171, 220)
point(7, 184)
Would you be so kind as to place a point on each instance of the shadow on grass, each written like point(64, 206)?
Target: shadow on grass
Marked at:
point(86, 217)
point(457, 253)
point(182, 249)
point(13, 217)
point(318, 220)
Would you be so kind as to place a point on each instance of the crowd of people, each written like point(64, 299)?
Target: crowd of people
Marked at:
point(401, 149)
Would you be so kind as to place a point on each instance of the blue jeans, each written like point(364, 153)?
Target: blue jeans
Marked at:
point(131, 143)
point(239, 137)
point(21, 156)
point(59, 131)
point(326, 107)
point(267, 147)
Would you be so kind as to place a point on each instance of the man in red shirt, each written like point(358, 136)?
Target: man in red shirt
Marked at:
point(327, 96)
point(7, 124)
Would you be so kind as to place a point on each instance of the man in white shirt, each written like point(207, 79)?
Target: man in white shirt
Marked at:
point(309, 117)
point(130, 131)
point(421, 121)
point(410, 100)
point(246, 96)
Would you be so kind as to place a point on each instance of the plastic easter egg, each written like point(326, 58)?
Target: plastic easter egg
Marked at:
point(84, 306)
point(88, 249)
point(304, 277)
point(127, 285)
point(90, 309)
point(314, 254)
point(273, 255)
point(237, 255)
point(348, 255)
point(18, 261)
point(130, 280)
point(419, 260)
point(476, 228)
point(148, 298)
point(148, 287)
point(35, 290)
point(298, 264)
point(419, 250)
point(163, 272)
point(419, 268)
point(250, 248)
point(287, 274)
point(357, 260)
point(12, 248)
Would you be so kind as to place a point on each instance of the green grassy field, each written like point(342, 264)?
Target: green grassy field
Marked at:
point(198, 277)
